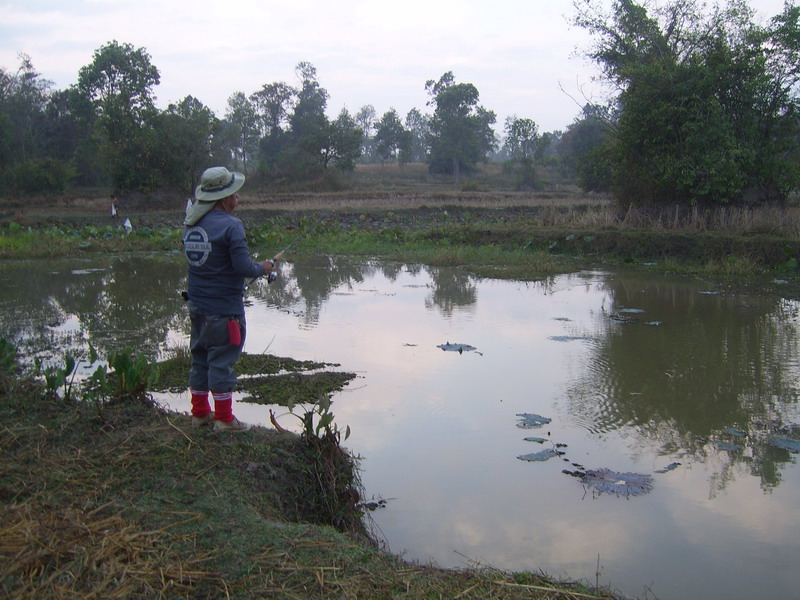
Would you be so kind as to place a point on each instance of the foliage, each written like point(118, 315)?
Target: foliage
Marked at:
point(23, 97)
point(344, 143)
point(8, 356)
point(524, 144)
point(58, 378)
point(317, 420)
point(118, 84)
point(586, 148)
point(40, 176)
point(186, 136)
point(243, 123)
point(417, 144)
point(461, 133)
point(365, 118)
point(707, 104)
point(390, 136)
point(132, 376)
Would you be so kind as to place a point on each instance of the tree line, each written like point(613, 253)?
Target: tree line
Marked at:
point(704, 110)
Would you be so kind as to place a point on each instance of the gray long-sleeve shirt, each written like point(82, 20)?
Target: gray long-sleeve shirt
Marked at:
point(219, 261)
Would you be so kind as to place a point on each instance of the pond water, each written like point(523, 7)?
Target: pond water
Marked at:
point(690, 387)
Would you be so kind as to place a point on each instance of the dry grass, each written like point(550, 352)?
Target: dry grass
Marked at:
point(72, 552)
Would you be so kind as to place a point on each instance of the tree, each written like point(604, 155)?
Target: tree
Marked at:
point(118, 84)
point(23, 97)
point(707, 101)
point(389, 136)
point(365, 117)
point(272, 105)
point(461, 133)
point(522, 143)
point(418, 134)
point(309, 130)
point(241, 115)
point(344, 145)
point(586, 148)
point(186, 133)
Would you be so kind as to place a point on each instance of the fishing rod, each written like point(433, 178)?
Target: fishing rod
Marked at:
point(273, 275)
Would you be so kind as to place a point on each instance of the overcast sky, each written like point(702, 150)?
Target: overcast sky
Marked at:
point(516, 52)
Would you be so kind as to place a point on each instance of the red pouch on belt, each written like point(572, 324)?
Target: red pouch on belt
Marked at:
point(234, 333)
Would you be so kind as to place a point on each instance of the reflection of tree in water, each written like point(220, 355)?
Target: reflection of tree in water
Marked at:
point(714, 363)
point(138, 304)
point(451, 289)
point(314, 280)
point(118, 303)
point(320, 277)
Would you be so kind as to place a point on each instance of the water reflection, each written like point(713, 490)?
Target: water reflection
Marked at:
point(692, 365)
point(116, 302)
point(636, 371)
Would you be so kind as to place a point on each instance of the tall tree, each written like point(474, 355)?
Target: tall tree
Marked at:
point(586, 148)
point(344, 142)
point(309, 127)
point(522, 142)
point(461, 133)
point(119, 84)
point(186, 132)
point(418, 137)
point(390, 135)
point(23, 96)
point(365, 117)
point(241, 115)
point(273, 104)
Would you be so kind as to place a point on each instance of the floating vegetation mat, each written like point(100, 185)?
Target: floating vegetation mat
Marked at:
point(619, 484)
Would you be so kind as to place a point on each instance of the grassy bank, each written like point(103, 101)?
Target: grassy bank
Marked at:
point(497, 235)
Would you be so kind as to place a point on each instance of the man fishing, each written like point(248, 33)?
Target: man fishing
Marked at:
point(218, 262)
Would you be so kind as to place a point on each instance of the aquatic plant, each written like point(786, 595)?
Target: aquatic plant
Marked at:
point(8, 356)
point(56, 378)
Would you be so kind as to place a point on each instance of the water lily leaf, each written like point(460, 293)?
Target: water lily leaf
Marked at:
point(786, 444)
point(448, 347)
point(727, 446)
point(669, 467)
point(540, 456)
point(531, 420)
point(735, 432)
point(620, 484)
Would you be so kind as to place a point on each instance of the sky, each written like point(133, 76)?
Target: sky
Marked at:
point(523, 56)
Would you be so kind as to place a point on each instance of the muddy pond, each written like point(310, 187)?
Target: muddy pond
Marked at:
point(626, 429)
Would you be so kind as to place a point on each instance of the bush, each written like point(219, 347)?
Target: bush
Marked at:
point(40, 176)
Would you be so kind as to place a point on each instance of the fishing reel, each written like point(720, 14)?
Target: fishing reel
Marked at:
point(273, 275)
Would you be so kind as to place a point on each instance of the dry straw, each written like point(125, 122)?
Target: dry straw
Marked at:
point(76, 553)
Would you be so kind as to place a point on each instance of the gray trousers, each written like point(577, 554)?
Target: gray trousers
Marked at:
point(213, 356)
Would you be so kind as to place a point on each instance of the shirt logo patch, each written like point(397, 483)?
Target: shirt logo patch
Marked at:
point(196, 246)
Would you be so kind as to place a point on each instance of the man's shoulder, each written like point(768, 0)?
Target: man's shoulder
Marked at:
point(218, 219)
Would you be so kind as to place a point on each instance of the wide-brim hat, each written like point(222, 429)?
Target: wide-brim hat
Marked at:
point(217, 183)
